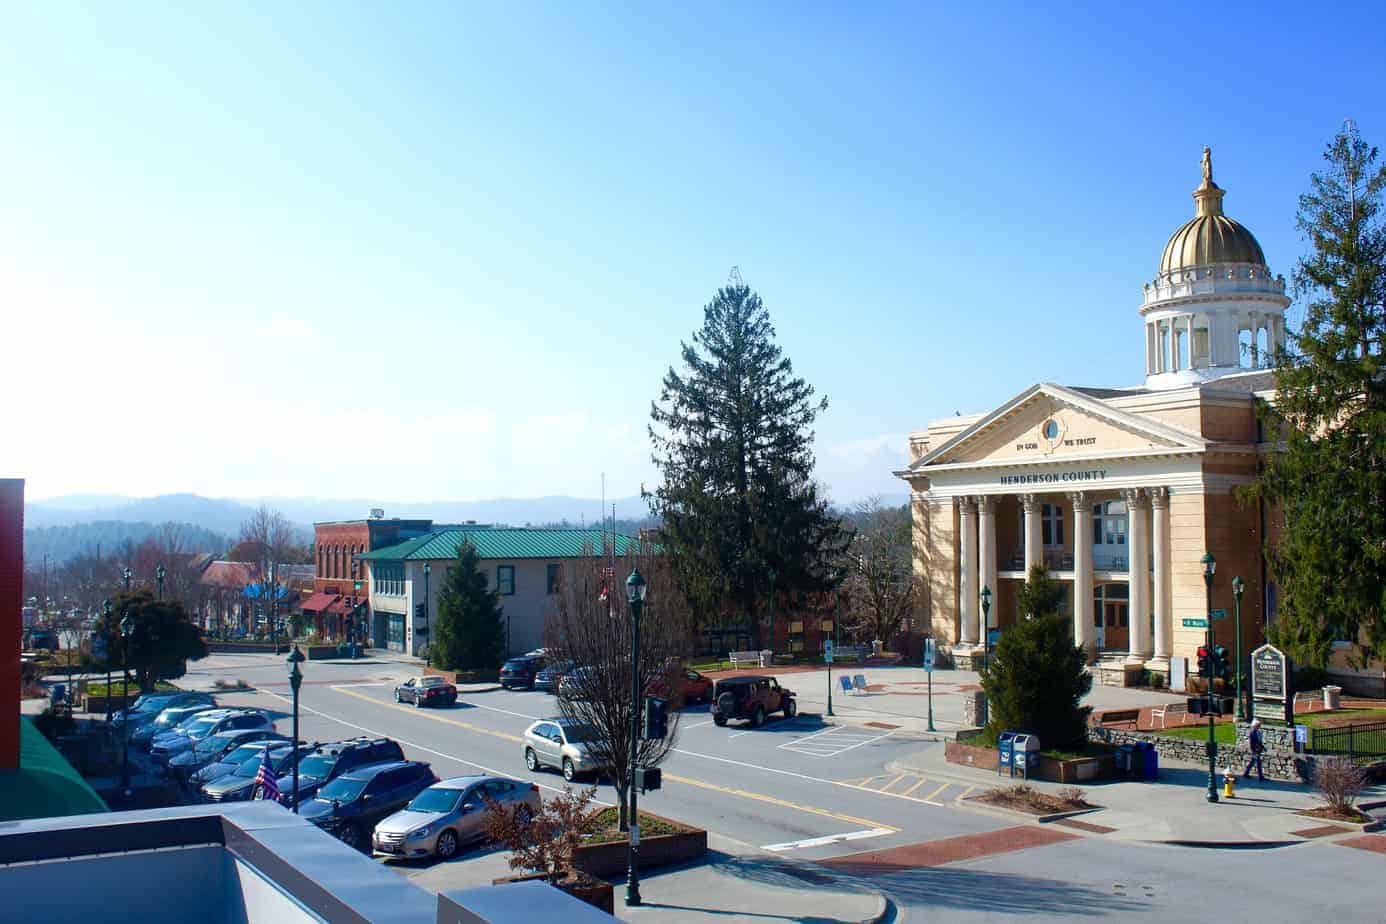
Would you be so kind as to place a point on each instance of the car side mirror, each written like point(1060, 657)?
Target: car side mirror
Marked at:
point(469, 807)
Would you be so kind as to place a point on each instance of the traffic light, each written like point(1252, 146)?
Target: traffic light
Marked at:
point(1221, 666)
point(1210, 705)
point(648, 778)
point(656, 718)
point(1205, 663)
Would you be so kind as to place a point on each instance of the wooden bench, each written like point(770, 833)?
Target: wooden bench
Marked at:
point(1119, 716)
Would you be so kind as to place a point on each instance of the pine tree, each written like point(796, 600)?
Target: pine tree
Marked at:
point(732, 438)
point(1036, 680)
point(1040, 595)
point(1329, 480)
point(469, 632)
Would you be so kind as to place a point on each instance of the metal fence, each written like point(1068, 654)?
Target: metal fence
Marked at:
point(1353, 741)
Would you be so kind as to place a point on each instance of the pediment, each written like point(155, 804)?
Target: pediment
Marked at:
point(1051, 422)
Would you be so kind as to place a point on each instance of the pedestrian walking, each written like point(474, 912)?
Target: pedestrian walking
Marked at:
point(1258, 747)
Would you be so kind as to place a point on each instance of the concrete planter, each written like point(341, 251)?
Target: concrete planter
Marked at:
point(319, 652)
point(609, 859)
point(598, 894)
point(482, 675)
point(232, 647)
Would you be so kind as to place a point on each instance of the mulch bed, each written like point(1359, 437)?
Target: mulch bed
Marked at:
point(1332, 814)
point(1034, 801)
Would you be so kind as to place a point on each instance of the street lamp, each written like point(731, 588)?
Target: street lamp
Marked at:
point(295, 681)
point(428, 569)
point(159, 574)
point(635, 595)
point(1210, 567)
point(986, 636)
point(1237, 587)
point(127, 628)
point(830, 659)
point(106, 633)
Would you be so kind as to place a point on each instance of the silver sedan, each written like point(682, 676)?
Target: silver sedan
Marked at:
point(450, 813)
point(563, 745)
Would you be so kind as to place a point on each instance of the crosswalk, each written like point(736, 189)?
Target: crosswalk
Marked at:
point(912, 786)
point(833, 741)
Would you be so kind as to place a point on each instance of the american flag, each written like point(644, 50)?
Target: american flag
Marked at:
point(265, 783)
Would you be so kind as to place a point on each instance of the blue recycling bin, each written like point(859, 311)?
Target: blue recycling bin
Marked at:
point(1123, 757)
point(59, 693)
point(1005, 752)
point(1152, 763)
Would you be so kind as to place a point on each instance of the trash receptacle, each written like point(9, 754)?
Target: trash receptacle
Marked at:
point(1152, 763)
point(1005, 749)
point(1332, 697)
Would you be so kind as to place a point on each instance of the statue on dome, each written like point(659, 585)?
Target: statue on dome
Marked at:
point(1207, 164)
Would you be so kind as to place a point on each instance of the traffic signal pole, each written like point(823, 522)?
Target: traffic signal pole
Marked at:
point(1212, 740)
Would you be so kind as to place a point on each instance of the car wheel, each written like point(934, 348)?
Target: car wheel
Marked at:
point(569, 772)
point(446, 847)
point(397, 697)
point(719, 720)
point(418, 703)
point(758, 717)
point(790, 707)
point(531, 759)
point(351, 836)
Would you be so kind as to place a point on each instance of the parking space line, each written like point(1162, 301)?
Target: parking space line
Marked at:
point(918, 783)
point(934, 794)
point(965, 793)
point(886, 787)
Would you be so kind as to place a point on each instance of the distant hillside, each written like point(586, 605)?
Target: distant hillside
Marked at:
point(219, 516)
point(507, 511)
point(61, 543)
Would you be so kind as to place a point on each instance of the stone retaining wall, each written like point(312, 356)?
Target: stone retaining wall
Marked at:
point(1279, 763)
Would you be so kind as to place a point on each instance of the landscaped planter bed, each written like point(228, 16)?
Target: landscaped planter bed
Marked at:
point(1077, 769)
point(482, 675)
point(583, 887)
point(609, 857)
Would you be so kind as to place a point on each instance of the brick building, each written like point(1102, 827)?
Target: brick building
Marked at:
point(340, 601)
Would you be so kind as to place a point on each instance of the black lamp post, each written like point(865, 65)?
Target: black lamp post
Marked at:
point(986, 636)
point(127, 628)
point(106, 634)
point(427, 570)
point(1237, 587)
point(295, 681)
point(273, 609)
point(159, 574)
point(127, 574)
point(1210, 567)
point(635, 595)
point(830, 660)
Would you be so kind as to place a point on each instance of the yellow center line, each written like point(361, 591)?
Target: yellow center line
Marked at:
point(921, 782)
point(742, 793)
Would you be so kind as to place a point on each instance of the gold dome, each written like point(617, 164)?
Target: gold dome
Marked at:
point(1210, 236)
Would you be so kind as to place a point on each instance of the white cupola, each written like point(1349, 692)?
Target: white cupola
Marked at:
point(1214, 309)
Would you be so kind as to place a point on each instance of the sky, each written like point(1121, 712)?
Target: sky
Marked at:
point(447, 251)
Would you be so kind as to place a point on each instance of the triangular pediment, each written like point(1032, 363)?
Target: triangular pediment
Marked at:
point(1049, 421)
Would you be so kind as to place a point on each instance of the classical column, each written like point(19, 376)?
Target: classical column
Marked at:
point(986, 546)
point(1138, 611)
point(1084, 632)
point(1034, 544)
point(1164, 619)
point(967, 576)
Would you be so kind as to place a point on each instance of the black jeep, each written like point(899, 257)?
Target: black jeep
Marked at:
point(751, 698)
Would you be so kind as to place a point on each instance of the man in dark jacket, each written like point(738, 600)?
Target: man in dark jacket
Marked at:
point(1258, 747)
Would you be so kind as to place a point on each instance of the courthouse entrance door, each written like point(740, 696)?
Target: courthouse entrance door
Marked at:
point(1111, 614)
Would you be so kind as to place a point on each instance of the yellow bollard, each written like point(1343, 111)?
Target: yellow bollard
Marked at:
point(1229, 782)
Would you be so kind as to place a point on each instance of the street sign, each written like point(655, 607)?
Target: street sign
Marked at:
point(1219, 614)
point(1195, 623)
point(828, 651)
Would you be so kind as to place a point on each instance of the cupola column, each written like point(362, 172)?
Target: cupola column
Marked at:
point(967, 572)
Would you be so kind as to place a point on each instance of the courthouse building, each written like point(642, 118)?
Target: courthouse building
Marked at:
point(1119, 492)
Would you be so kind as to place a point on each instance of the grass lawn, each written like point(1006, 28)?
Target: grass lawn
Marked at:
point(117, 686)
point(608, 819)
point(707, 666)
point(1356, 715)
point(1223, 733)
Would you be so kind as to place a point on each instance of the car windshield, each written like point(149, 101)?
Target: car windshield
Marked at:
point(198, 727)
point(342, 790)
point(319, 765)
point(249, 768)
point(579, 734)
point(212, 745)
point(515, 664)
point(435, 800)
point(244, 752)
point(150, 703)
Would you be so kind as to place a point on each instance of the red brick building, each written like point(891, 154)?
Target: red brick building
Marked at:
point(335, 547)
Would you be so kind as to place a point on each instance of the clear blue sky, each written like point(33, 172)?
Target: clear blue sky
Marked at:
point(447, 251)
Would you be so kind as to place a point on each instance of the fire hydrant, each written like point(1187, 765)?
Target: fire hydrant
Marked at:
point(1229, 782)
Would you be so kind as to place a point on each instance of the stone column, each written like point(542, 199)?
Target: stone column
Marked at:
point(1164, 618)
point(1034, 542)
point(1084, 632)
point(1139, 575)
point(986, 548)
point(967, 572)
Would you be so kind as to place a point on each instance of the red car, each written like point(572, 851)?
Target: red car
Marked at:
point(426, 691)
point(683, 686)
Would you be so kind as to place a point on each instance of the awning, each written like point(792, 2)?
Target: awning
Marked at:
point(319, 603)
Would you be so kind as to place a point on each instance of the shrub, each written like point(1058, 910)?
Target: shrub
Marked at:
point(1036, 680)
point(1339, 781)
point(545, 841)
point(1073, 795)
point(1157, 679)
point(1310, 678)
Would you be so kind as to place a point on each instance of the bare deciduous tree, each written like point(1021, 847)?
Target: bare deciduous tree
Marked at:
point(881, 587)
point(591, 628)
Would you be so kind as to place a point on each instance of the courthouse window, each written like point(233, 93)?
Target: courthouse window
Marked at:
point(1109, 523)
point(1052, 524)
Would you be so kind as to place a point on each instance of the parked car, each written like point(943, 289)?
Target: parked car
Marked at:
point(576, 683)
point(172, 718)
point(213, 748)
point(521, 672)
point(351, 805)
point(682, 686)
point(239, 784)
point(226, 763)
point(332, 760)
point(551, 674)
point(147, 707)
point(751, 697)
point(426, 691)
point(210, 723)
point(451, 813)
point(561, 744)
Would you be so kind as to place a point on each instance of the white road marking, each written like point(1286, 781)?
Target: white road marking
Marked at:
point(831, 742)
point(701, 724)
point(828, 839)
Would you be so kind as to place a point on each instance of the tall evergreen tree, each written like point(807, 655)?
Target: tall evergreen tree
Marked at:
point(732, 436)
point(469, 632)
point(162, 640)
point(1330, 411)
point(1040, 595)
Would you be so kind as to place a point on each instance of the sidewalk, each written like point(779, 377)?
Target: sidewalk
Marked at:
point(730, 884)
point(1173, 810)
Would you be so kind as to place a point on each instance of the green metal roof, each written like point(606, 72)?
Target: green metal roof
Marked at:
point(503, 543)
point(45, 783)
